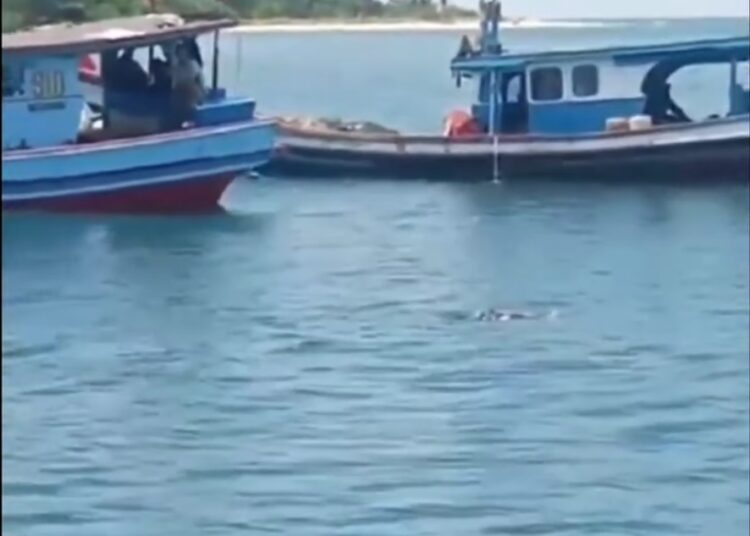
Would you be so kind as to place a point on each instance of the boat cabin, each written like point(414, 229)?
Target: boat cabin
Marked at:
point(575, 92)
point(46, 101)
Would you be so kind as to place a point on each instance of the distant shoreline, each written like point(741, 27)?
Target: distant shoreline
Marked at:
point(385, 25)
point(455, 25)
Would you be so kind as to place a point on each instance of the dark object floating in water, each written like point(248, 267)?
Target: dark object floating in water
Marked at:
point(503, 315)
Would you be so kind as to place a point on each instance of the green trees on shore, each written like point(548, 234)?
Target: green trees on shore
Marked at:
point(21, 13)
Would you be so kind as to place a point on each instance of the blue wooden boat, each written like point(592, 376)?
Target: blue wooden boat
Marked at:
point(151, 150)
point(599, 113)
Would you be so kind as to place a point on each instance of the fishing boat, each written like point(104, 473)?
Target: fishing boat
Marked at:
point(150, 145)
point(600, 113)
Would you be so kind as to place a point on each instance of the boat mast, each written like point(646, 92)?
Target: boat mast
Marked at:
point(493, 126)
point(215, 62)
point(733, 97)
point(491, 13)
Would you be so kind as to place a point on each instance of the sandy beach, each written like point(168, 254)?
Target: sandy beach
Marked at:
point(463, 25)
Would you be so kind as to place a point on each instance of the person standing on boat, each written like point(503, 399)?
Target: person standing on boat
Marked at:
point(161, 83)
point(188, 86)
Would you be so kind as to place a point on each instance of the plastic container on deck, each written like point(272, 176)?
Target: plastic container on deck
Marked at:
point(640, 122)
point(618, 124)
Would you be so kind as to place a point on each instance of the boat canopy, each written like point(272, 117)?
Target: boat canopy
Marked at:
point(674, 55)
point(128, 32)
point(580, 91)
point(48, 101)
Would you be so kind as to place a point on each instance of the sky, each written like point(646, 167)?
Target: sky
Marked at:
point(619, 8)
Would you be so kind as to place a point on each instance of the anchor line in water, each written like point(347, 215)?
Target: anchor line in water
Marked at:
point(495, 160)
point(493, 127)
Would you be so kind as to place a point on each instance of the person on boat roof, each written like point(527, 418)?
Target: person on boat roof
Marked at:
point(662, 108)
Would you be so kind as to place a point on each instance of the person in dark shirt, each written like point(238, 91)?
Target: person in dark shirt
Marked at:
point(662, 108)
point(465, 49)
point(130, 74)
point(161, 82)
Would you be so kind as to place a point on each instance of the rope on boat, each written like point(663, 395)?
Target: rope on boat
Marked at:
point(238, 59)
point(493, 128)
point(495, 160)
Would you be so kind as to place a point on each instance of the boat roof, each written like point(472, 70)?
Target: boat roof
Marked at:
point(700, 51)
point(103, 35)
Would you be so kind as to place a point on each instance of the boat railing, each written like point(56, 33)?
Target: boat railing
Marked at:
point(291, 129)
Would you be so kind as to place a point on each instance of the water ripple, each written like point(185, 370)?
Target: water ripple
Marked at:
point(312, 364)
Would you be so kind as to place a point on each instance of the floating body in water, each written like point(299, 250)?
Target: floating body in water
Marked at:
point(506, 315)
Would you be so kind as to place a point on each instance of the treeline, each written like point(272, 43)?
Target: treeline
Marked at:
point(22, 13)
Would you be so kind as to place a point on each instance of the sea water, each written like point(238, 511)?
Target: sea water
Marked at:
point(312, 363)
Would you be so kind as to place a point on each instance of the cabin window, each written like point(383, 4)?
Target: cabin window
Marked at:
point(13, 79)
point(547, 84)
point(585, 80)
point(513, 89)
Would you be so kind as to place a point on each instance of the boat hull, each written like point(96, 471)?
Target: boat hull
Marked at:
point(182, 172)
point(711, 152)
point(198, 195)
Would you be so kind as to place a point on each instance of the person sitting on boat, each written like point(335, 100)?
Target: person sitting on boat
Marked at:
point(460, 124)
point(662, 108)
point(188, 87)
point(161, 83)
point(187, 70)
point(465, 49)
point(194, 51)
point(130, 76)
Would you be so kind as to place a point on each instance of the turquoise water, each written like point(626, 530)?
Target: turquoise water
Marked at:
point(309, 363)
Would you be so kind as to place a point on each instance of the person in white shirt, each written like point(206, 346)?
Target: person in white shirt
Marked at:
point(188, 86)
point(186, 70)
